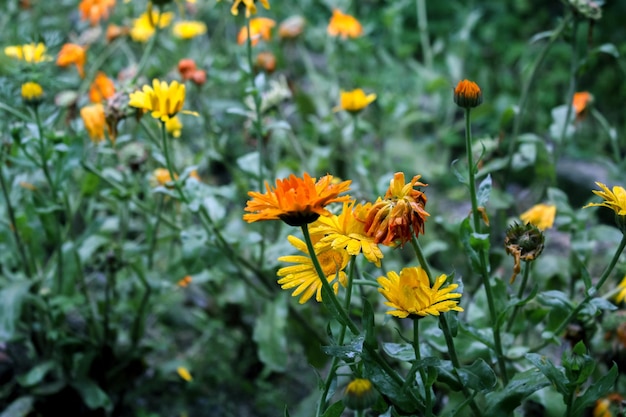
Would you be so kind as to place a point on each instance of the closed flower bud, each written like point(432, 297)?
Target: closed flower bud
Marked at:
point(360, 394)
point(467, 94)
point(32, 94)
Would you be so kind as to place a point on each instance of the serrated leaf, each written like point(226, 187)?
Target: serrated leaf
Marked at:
point(502, 403)
point(269, 334)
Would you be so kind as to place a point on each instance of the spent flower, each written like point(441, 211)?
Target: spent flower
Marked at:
point(360, 394)
point(94, 120)
point(525, 243)
point(102, 88)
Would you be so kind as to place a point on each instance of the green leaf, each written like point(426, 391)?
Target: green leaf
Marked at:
point(11, 300)
point(269, 334)
point(478, 376)
point(555, 375)
point(555, 298)
point(92, 395)
point(368, 323)
point(459, 176)
point(334, 410)
point(483, 192)
point(502, 403)
point(19, 408)
point(583, 270)
point(347, 352)
point(36, 374)
point(402, 351)
point(466, 232)
point(597, 390)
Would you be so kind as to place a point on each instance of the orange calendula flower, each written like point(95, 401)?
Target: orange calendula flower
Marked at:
point(185, 281)
point(303, 274)
point(163, 100)
point(392, 220)
point(72, 53)
point(95, 10)
point(344, 25)
point(581, 101)
point(606, 406)
point(260, 28)
point(189, 29)
point(615, 199)
point(347, 231)
point(296, 201)
point(102, 88)
point(161, 177)
point(354, 101)
point(410, 294)
point(541, 215)
point(266, 61)
point(143, 27)
point(94, 120)
point(467, 94)
point(31, 53)
point(114, 31)
point(250, 6)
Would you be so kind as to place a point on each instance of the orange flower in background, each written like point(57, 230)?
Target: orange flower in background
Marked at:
point(250, 6)
point(260, 28)
point(72, 53)
point(94, 120)
point(296, 201)
point(102, 88)
point(114, 31)
point(185, 281)
point(266, 61)
point(292, 27)
point(95, 10)
point(581, 101)
point(467, 94)
point(394, 219)
point(186, 67)
point(344, 25)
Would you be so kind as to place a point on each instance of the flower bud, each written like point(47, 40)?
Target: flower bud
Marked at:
point(467, 94)
point(360, 394)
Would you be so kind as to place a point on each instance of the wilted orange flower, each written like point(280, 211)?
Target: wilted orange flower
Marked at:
point(605, 406)
point(260, 28)
point(114, 31)
point(344, 25)
point(296, 201)
point(95, 10)
point(198, 77)
point(94, 120)
point(266, 61)
point(292, 27)
point(186, 67)
point(72, 53)
point(394, 219)
point(250, 6)
point(102, 88)
point(354, 101)
point(581, 100)
point(541, 215)
point(467, 94)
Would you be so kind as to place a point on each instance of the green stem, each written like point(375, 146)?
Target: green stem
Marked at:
point(422, 23)
point(617, 155)
point(520, 294)
point(418, 357)
point(570, 92)
point(422, 259)
point(155, 232)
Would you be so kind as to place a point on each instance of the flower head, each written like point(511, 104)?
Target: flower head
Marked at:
point(260, 28)
point(250, 6)
point(174, 126)
point(163, 100)
point(72, 53)
point(30, 53)
point(354, 101)
point(292, 27)
point(615, 199)
point(524, 243)
point(344, 25)
point(102, 88)
point(32, 93)
point(359, 394)
point(303, 274)
point(184, 373)
point(581, 101)
point(161, 177)
point(401, 213)
point(185, 281)
point(607, 406)
point(189, 29)
point(467, 94)
point(114, 31)
point(143, 26)
point(296, 201)
point(541, 215)
point(620, 297)
point(410, 293)
point(94, 120)
point(95, 10)
point(347, 231)
point(266, 61)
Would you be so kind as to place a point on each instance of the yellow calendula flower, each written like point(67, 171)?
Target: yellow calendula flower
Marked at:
point(303, 276)
point(94, 120)
point(614, 199)
point(184, 373)
point(620, 297)
point(32, 93)
point(31, 52)
point(410, 294)
point(174, 126)
point(344, 25)
point(467, 94)
point(163, 100)
point(250, 6)
point(143, 26)
point(347, 231)
point(189, 29)
point(541, 215)
point(354, 101)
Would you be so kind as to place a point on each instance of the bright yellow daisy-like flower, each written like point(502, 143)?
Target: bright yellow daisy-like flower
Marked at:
point(260, 28)
point(94, 119)
point(541, 215)
point(410, 294)
point(467, 94)
point(32, 93)
point(250, 6)
point(189, 29)
point(31, 52)
point(143, 26)
point(303, 276)
point(296, 201)
point(354, 101)
point(615, 199)
point(392, 220)
point(347, 231)
point(344, 25)
point(163, 100)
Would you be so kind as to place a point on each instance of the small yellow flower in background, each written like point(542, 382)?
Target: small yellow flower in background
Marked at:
point(354, 101)
point(392, 220)
point(161, 177)
point(163, 100)
point(605, 406)
point(32, 93)
point(143, 26)
point(27, 185)
point(94, 120)
point(303, 274)
point(260, 28)
point(250, 6)
point(344, 25)
point(410, 294)
point(292, 27)
point(31, 52)
point(581, 101)
point(184, 373)
point(347, 231)
point(296, 201)
point(620, 297)
point(615, 199)
point(101, 88)
point(467, 94)
point(73, 54)
point(359, 394)
point(95, 10)
point(189, 29)
point(541, 215)
point(174, 126)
